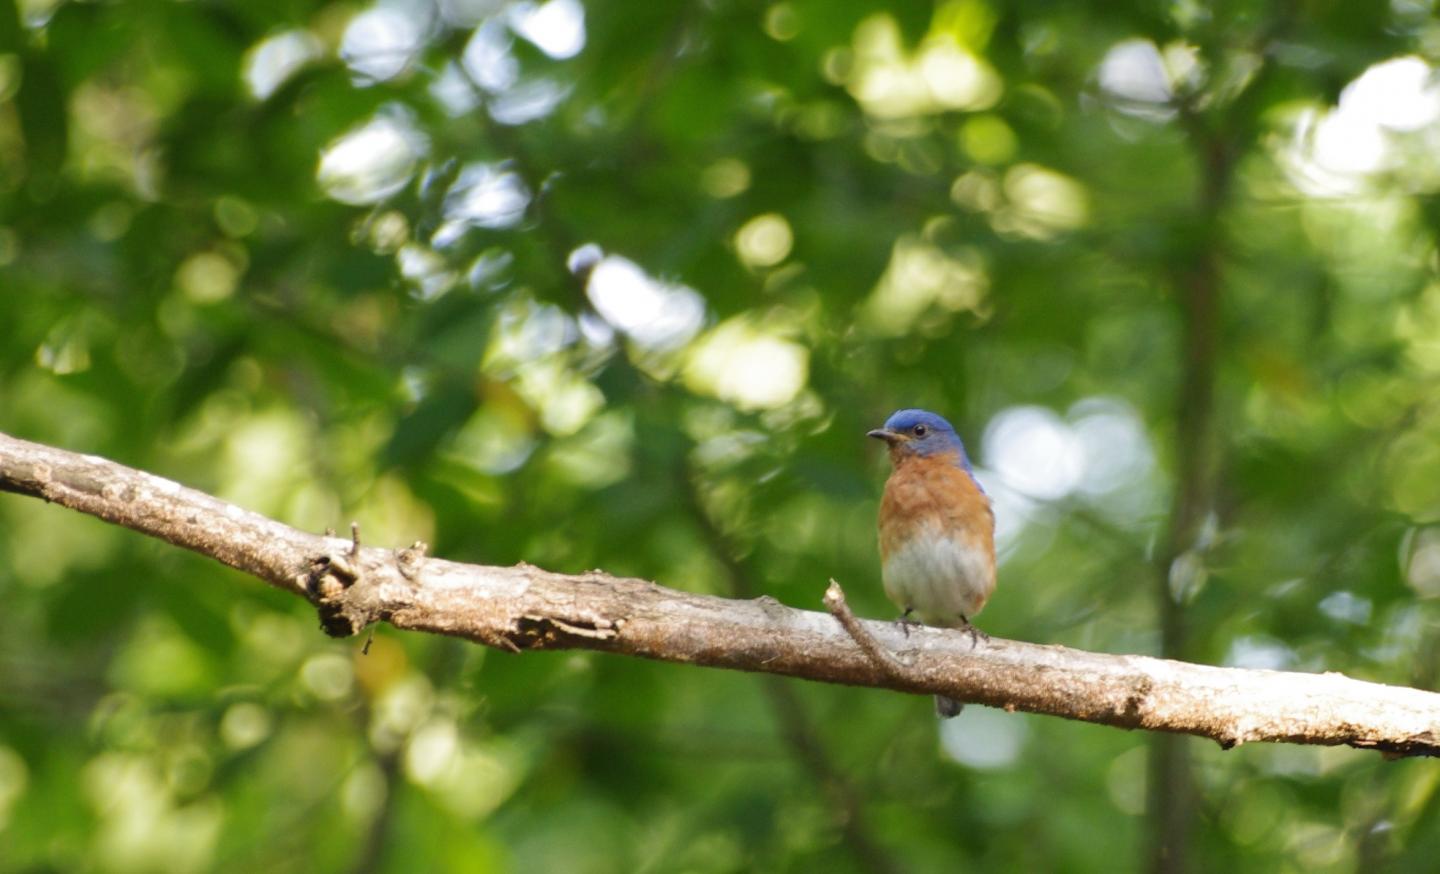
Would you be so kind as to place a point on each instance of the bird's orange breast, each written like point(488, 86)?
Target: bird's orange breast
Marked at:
point(934, 495)
point(937, 540)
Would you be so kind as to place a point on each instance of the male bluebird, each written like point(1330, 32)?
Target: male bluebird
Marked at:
point(937, 531)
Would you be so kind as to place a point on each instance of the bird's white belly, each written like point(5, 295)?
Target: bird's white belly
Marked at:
point(941, 578)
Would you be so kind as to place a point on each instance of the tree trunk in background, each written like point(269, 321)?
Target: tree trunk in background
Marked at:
point(1171, 801)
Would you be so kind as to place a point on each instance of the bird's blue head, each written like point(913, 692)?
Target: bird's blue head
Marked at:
point(920, 432)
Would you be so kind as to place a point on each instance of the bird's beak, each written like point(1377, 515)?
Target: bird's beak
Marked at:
point(891, 437)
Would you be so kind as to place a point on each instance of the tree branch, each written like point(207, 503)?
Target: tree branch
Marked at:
point(525, 608)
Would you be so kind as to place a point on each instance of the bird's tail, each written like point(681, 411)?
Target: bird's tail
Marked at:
point(947, 708)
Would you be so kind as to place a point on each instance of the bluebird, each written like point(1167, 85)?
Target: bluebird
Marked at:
point(937, 531)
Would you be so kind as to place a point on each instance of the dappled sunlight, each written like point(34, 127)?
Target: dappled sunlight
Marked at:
point(726, 178)
point(782, 21)
point(1340, 151)
point(1400, 94)
point(274, 60)
point(490, 270)
point(245, 725)
point(488, 60)
point(1133, 72)
point(945, 72)
point(1119, 461)
point(653, 314)
point(1420, 556)
point(489, 72)
point(454, 90)
point(1027, 200)
point(623, 288)
point(264, 460)
point(1035, 452)
point(65, 349)
point(482, 196)
point(556, 27)
point(721, 441)
point(1346, 606)
point(382, 42)
point(112, 135)
point(1099, 452)
point(210, 277)
point(372, 162)
point(328, 676)
point(398, 708)
point(985, 739)
point(432, 751)
point(1141, 79)
point(1042, 202)
point(1332, 153)
point(468, 777)
point(988, 139)
point(921, 281)
point(564, 400)
point(748, 366)
point(528, 101)
point(384, 233)
point(598, 455)
point(526, 332)
point(428, 273)
point(764, 241)
point(142, 824)
point(493, 442)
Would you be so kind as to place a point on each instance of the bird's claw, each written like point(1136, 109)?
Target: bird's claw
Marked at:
point(905, 623)
point(976, 635)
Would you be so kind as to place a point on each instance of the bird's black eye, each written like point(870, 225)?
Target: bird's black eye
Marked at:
point(919, 430)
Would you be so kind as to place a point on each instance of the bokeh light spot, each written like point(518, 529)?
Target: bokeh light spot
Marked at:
point(988, 139)
point(782, 22)
point(1035, 451)
point(556, 27)
point(271, 62)
point(207, 277)
point(739, 363)
point(381, 43)
point(764, 241)
point(652, 313)
point(1421, 560)
point(985, 739)
point(244, 725)
point(920, 278)
point(942, 75)
point(372, 162)
point(725, 178)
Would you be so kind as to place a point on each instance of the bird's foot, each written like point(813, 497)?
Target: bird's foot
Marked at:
point(906, 623)
point(976, 635)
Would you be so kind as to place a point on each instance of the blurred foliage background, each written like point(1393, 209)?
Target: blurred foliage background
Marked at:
point(622, 285)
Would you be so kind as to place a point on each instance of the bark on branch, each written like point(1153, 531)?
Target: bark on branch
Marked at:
point(525, 608)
